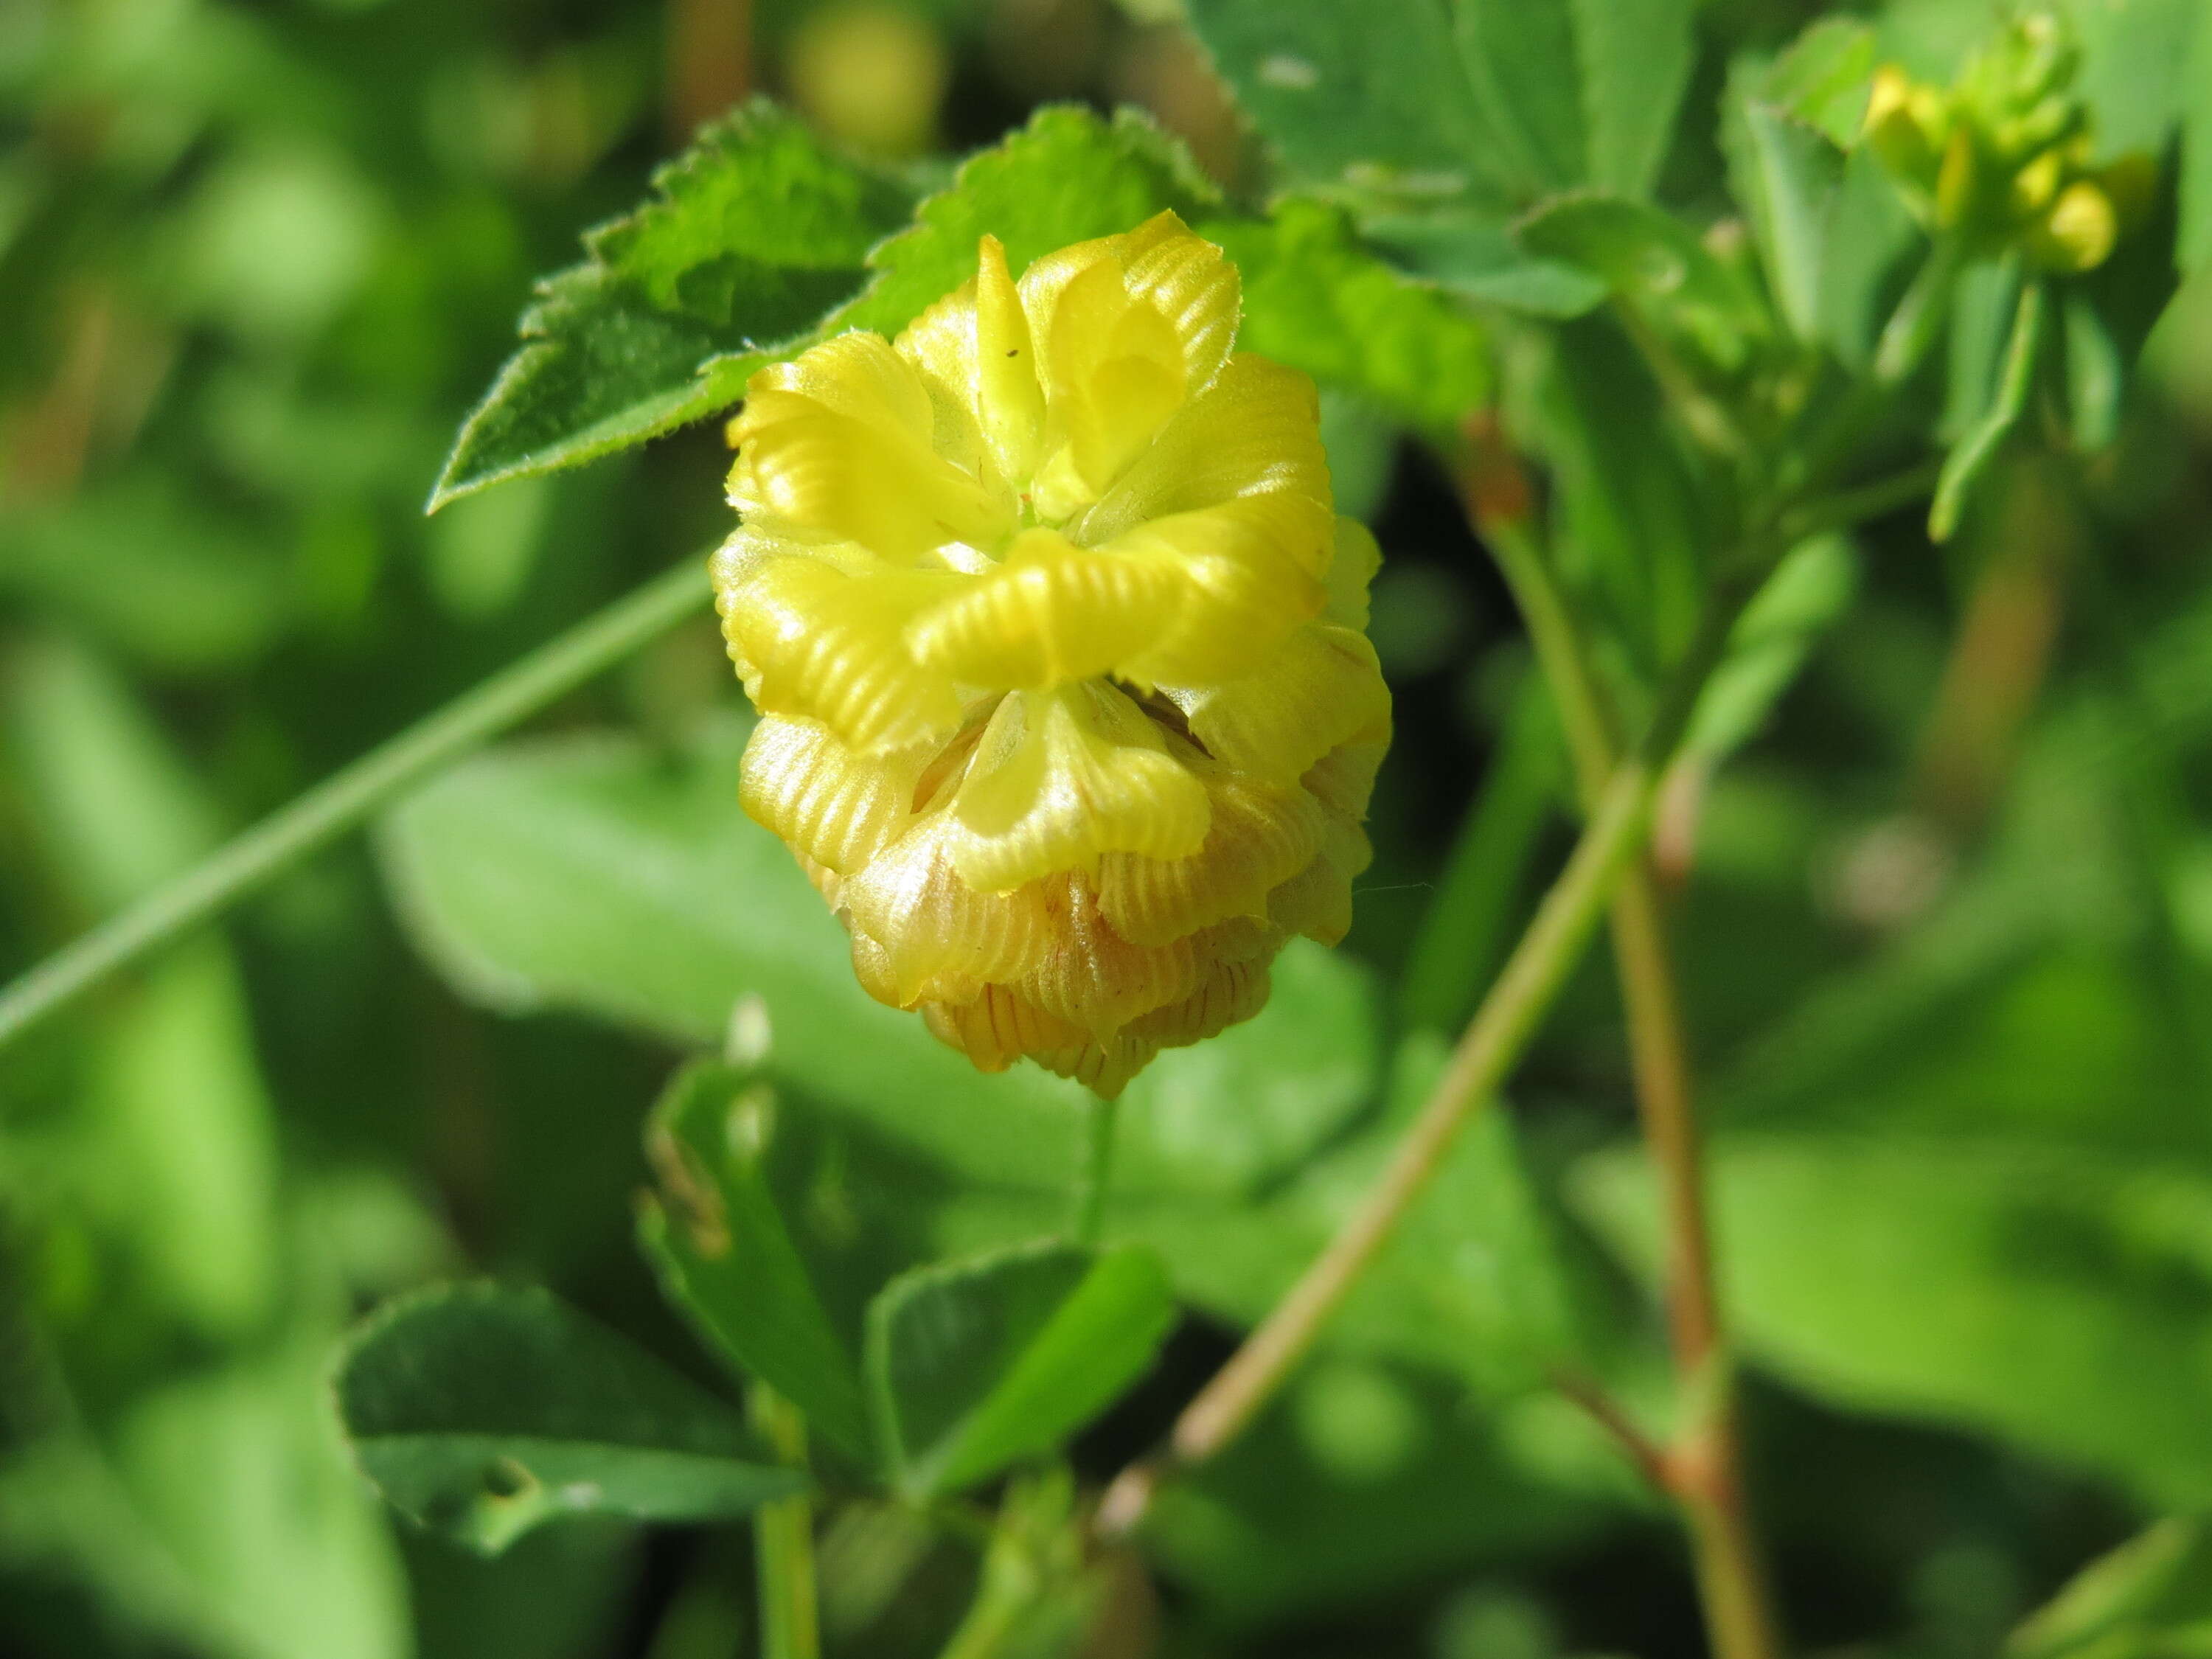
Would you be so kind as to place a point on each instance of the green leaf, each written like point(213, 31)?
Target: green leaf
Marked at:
point(1067, 176)
point(758, 232)
point(2149, 1599)
point(723, 1252)
point(1656, 266)
point(1810, 589)
point(1971, 457)
point(1315, 298)
point(1824, 78)
point(2060, 1298)
point(1521, 62)
point(1377, 103)
point(591, 873)
point(1474, 254)
point(977, 1365)
point(1631, 531)
point(1635, 57)
point(482, 1411)
point(1785, 169)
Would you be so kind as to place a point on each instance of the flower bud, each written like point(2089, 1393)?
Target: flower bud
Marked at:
point(1067, 705)
point(2079, 231)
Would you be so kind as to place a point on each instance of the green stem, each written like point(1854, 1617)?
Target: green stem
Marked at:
point(1096, 1175)
point(783, 1540)
point(342, 800)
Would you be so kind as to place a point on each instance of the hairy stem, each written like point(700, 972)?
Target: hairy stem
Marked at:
point(342, 800)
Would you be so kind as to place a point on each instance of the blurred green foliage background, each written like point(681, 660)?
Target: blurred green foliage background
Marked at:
point(1948, 943)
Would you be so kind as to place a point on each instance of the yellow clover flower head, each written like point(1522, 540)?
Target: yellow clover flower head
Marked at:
point(1067, 705)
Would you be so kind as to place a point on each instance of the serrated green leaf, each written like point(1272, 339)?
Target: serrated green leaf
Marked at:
point(2059, 1299)
point(482, 1411)
point(1067, 176)
point(758, 232)
point(1315, 298)
point(723, 1252)
point(977, 1365)
point(1635, 56)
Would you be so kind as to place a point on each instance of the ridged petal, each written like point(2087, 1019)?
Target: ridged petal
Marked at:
point(1351, 574)
point(1246, 591)
point(821, 642)
point(997, 1027)
point(1062, 777)
point(935, 936)
point(1190, 283)
point(1256, 431)
point(830, 805)
point(1343, 780)
point(840, 442)
point(1089, 976)
point(974, 349)
point(1324, 686)
point(1260, 838)
point(1050, 613)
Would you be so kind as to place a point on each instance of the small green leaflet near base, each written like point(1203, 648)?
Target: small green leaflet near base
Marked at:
point(481, 1411)
point(976, 1364)
point(724, 1254)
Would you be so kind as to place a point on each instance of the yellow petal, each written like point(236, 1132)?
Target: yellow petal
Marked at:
point(1323, 686)
point(1232, 992)
point(1256, 431)
point(1351, 570)
point(1062, 777)
point(1113, 374)
point(975, 344)
point(1089, 976)
point(828, 645)
point(1246, 591)
point(1260, 838)
point(996, 1028)
point(1343, 780)
point(1050, 613)
point(1191, 283)
point(935, 936)
point(839, 442)
point(833, 808)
